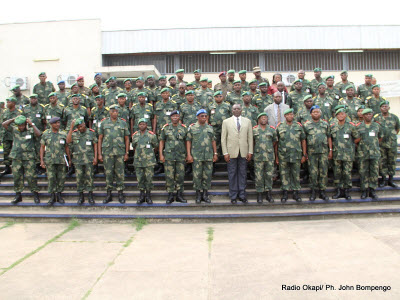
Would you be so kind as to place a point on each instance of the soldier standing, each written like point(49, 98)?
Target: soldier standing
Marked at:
point(53, 156)
point(374, 101)
point(223, 86)
point(141, 110)
point(54, 109)
point(202, 152)
point(43, 89)
point(265, 141)
point(83, 143)
point(306, 87)
point(249, 111)
point(295, 97)
point(262, 100)
point(341, 86)
point(317, 80)
point(112, 92)
point(352, 103)
point(23, 155)
point(99, 82)
point(244, 84)
point(144, 143)
point(197, 76)
point(325, 102)
point(173, 154)
point(303, 113)
point(21, 99)
point(365, 90)
point(331, 90)
point(235, 97)
point(180, 98)
point(204, 95)
point(189, 109)
point(61, 93)
point(114, 145)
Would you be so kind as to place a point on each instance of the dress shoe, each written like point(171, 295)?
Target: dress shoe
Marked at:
point(142, 197)
point(244, 200)
point(53, 199)
point(347, 194)
point(233, 201)
point(372, 194)
point(382, 181)
point(214, 169)
point(170, 198)
point(188, 170)
point(38, 169)
point(81, 199)
point(60, 198)
point(90, 197)
point(284, 196)
point(338, 193)
point(108, 197)
point(323, 196)
point(206, 199)
point(36, 198)
point(148, 197)
point(6, 171)
point(198, 197)
point(179, 197)
point(259, 198)
point(71, 171)
point(364, 194)
point(391, 182)
point(17, 198)
point(160, 169)
point(251, 176)
point(121, 197)
point(312, 196)
point(296, 196)
point(268, 197)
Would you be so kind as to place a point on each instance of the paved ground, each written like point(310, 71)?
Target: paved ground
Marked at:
point(200, 261)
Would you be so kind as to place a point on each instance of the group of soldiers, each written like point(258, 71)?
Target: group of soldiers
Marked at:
point(176, 129)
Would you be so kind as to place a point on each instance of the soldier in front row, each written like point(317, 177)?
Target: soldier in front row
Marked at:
point(23, 156)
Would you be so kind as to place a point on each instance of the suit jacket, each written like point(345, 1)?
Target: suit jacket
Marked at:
point(234, 142)
point(271, 113)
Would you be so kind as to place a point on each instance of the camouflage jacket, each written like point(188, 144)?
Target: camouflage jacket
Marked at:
point(204, 97)
point(217, 113)
point(175, 141)
point(289, 141)
point(368, 148)
point(390, 126)
point(188, 113)
point(343, 137)
point(36, 114)
point(306, 87)
point(351, 107)
point(114, 134)
point(62, 98)
point(55, 143)
point(314, 83)
point(144, 145)
point(326, 105)
point(264, 143)
point(76, 113)
point(7, 115)
point(341, 87)
point(374, 103)
point(138, 112)
point(234, 98)
point(43, 91)
point(55, 111)
point(96, 115)
point(82, 146)
point(111, 96)
point(201, 138)
point(23, 144)
point(363, 91)
point(163, 111)
point(224, 87)
point(250, 112)
point(317, 134)
point(262, 102)
point(295, 100)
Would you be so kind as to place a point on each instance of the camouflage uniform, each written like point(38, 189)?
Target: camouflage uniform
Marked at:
point(389, 125)
point(84, 101)
point(245, 86)
point(202, 153)
point(303, 115)
point(306, 87)
point(264, 157)
point(113, 151)
point(188, 113)
point(234, 98)
point(368, 153)
point(341, 87)
point(76, 113)
point(84, 91)
point(224, 87)
point(363, 91)
point(97, 115)
point(326, 105)
point(23, 159)
point(124, 113)
point(55, 111)
point(250, 112)
point(129, 97)
point(334, 95)
point(138, 112)
point(37, 115)
point(261, 102)
point(21, 101)
point(290, 153)
point(374, 103)
point(158, 93)
point(314, 83)
point(204, 96)
point(149, 95)
point(217, 113)
point(343, 137)
point(163, 111)
point(144, 159)
point(317, 134)
point(351, 107)
point(43, 91)
point(62, 98)
point(54, 159)
point(180, 99)
point(111, 96)
point(82, 158)
point(8, 134)
point(295, 100)
point(175, 154)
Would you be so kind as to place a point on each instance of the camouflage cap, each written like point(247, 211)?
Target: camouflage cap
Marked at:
point(288, 111)
point(99, 97)
point(203, 79)
point(217, 93)
point(121, 95)
point(114, 106)
point(257, 69)
point(197, 71)
point(42, 73)
point(165, 90)
point(201, 111)
point(128, 79)
point(12, 99)
point(54, 120)
point(242, 72)
point(231, 72)
point(368, 75)
point(92, 85)
point(180, 71)
point(340, 110)
point(367, 111)
point(162, 77)
point(142, 94)
point(189, 92)
point(317, 70)
point(376, 85)
point(263, 84)
point(15, 87)
point(262, 114)
point(236, 81)
point(142, 120)
point(174, 112)
point(140, 78)
point(54, 94)
point(20, 120)
point(33, 96)
point(253, 81)
point(307, 97)
point(172, 77)
point(314, 107)
point(385, 102)
point(78, 122)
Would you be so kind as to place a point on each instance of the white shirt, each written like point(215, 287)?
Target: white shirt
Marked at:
point(276, 110)
point(240, 120)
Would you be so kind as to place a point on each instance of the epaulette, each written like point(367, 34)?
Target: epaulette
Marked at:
point(272, 126)
point(325, 120)
point(151, 132)
point(369, 97)
point(305, 122)
point(84, 95)
point(377, 122)
point(164, 126)
point(340, 99)
point(106, 108)
point(299, 124)
point(42, 105)
point(83, 106)
point(376, 115)
point(75, 130)
point(59, 104)
point(278, 124)
point(91, 129)
point(46, 105)
point(255, 106)
point(358, 124)
point(332, 124)
point(103, 119)
point(183, 125)
point(19, 110)
point(383, 98)
point(173, 101)
point(150, 104)
point(255, 126)
point(123, 119)
point(134, 133)
point(191, 124)
point(352, 123)
point(314, 97)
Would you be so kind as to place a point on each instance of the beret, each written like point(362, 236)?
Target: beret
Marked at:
point(288, 111)
point(253, 81)
point(314, 107)
point(61, 81)
point(121, 95)
point(140, 78)
point(384, 103)
point(209, 81)
point(17, 86)
point(150, 76)
point(197, 71)
point(113, 78)
point(20, 120)
point(340, 110)
point(330, 77)
point(79, 78)
point(262, 114)
point(367, 111)
point(217, 93)
point(317, 70)
point(92, 85)
point(349, 87)
point(263, 84)
point(42, 73)
point(54, 120)
point(128, 79)
point(231, 71)
point(307, 97)
point(73, 96)
point(52, 94)
point(78, 122)
point(12, 99)
point(297, 80)
point(162, 77)
point(242, 72)
point(340, 106)
point(174, 112)
point(165, 90)
point(142, 94)
point(114, 106)
point(222, 74)
point(368, 75)
point(361, 107)
point(236, 81)
point(246, 94)
point(189, 84)
point(33, 96)
point(99, 96)
point(142, 120)
point(189, 92)
point(204, 79)
point(201, 111)
point(376, 85)
point(179, 71)
point(172, 77)
point(97, 74)
point(321, 83)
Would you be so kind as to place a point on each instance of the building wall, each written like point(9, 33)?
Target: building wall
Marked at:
point(65, 47)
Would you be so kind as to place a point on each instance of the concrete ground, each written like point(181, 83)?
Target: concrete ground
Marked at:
point(200, 261)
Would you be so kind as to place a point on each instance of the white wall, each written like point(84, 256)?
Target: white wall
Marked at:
point(75, 47)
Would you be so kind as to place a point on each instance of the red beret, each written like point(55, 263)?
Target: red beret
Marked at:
point(79, 78)
point(222, 73)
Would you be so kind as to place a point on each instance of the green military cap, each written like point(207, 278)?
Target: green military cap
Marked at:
point(288, 111)
point(317, 70)
point(75, 84)
point(242, 72)
point(113, 78)
point(330, 77)
point(361, 107)
point(99, 96)
point(162, 77)
point(217, 93)
point(297, 80)
point(385, 102)
point(209, 81)
point(339, 106)
point(142, 94)
point(20, 120)
point(150, 76)
point(189, 92)
point(189, 84)
point(368, 75)
point(307, 97)
point(78, 122)
point(73, 96)
point(33, 96)
point(204, 79)
point(253, 81)
point(128, 79)
point(340, 110)
point(165, 90)
point(262, 114)
point(262, 84)
point(171, 77)
point(114, 106)
point(179, 71)
point(246, 94)
point(17, 86)
point(344, 72)
point(92, 85)
point(142, 120)
point(54, 94)
point(121, 95)
point(108, 80)
point(197, 71)
point(349, 86)
point(140, 78)
point(12, 99)
point(376, 85)
point(367, 111)
point(42, 73)
point(231, 71)
point(321, 83)
point(236, 81)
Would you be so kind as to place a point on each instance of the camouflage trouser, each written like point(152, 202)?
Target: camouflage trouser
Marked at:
point(145, 177)
point(388, 161)
point(318, 170)
point(264, 171)
point(21, 169)
point(218, 142)
point(369, 173)
point(84, 177)
point(342, 173)
point(114, 166)
point(56, 177)
point(290, 175)
point(174, 175)
point(7, 145)
point(37, 149)
point(202, 173)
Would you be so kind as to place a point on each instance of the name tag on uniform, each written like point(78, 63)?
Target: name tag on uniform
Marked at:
point(344, 91)
point(88, 143)
point(94, 121)
point(146, 116)
point(62, 142)
point(307, 90)
point(356, 108)
point(37, 115)
point(148, 146)
point(213, 111)
point(372, 133)
point(48, 117)
point(28, 136)
point(98, 125)
point(337, 97)
point(326, 104)
point(81, 117)
point(168, 113)
point(346, 136)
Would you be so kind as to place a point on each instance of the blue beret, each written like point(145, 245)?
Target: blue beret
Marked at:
point(201, 111)
point(97, 74)
point(314, 107)
point(61, 81)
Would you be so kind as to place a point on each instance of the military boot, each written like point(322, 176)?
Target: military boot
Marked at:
point(364, 194)
point(6, 171)
point(312, 196)
point(38, 169)
point(296, 196)
point(71, 171)
point(179, 197)
point(81, 199)
point(96, 169)
point(141, 197)
point(36, 198)
point(382, 181)
point(259, 198)
point(338, 193)
point(90, 197)
point(53, 199)
point(198, 197)
point(126, 170)
point(347, 194)
point(108, 197)
point(284, 196)
point(214, 169)
point(391, 183)
point(170, 198)
point(268, 197)
point(188, 170)
point(160, 169)
point(323, 196)
point(17, 198)
point(60, 198)
point(121, 197)
point(148, 197)
point(372, 194)
point(205, 197)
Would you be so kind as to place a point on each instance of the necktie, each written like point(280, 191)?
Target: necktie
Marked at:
point(238, 124)
point(279, 114)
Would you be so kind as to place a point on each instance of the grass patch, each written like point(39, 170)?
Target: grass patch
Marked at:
point(210, 236)
point(72, 224)
point(139, 223)
point(8, 224)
